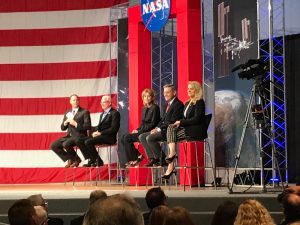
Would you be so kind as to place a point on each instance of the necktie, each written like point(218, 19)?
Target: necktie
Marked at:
point(168, 106)
point(103, 116)
point(73, 112)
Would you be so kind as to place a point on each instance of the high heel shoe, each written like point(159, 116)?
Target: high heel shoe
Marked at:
point(137, 161)
point(167, 176)
point(170, 159)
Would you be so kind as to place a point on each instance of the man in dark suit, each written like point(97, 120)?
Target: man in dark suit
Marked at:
point(106, 132)
point(172, 113)
point(77, 122)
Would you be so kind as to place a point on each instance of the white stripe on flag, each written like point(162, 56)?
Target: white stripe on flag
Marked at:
point(58, 88)
point(44, 158)
point(58, 53)
point(37, 123)
point(55, 19)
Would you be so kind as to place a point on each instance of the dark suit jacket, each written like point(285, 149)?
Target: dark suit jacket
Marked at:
point(83, 119)
point(110, 124)
point(150, 118)
point(174, 113)
point(194, 122)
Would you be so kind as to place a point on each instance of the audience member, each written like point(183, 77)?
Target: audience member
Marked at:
point(150, 118)
point(106, 131)
point(38, 200)
point(151, 140)
point(225, 214)
point(118, 209)
point(178, 216)
point(96, 195)
point(42, 215)
point(77, 122)
point(154, 197)
point(22, 213)
point(192, 125)
point(252, 212)
point(158, 215)
point(290, 200)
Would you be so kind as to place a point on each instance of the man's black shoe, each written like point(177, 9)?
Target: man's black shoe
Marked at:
point(152, 162)
point(99, 162)
point(90, 163)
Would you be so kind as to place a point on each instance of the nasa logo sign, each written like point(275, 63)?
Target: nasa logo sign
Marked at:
point(155, 13)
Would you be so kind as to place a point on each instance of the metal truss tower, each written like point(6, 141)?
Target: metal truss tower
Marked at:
point(271, 49)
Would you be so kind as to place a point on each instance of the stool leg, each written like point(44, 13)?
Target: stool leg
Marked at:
point(211, 161)
point(185, 164)
point(109, 161)
point(197, 165)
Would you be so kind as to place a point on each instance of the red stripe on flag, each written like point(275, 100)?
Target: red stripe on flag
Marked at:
point(57, 71)
point(48, 106)
point(30, 141)
point(55, 5)
point(48, 175)
point(59, 36)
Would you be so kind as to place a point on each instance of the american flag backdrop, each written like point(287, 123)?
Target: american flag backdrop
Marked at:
point(50, 49)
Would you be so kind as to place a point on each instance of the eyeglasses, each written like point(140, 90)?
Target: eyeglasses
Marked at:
point(44, 204)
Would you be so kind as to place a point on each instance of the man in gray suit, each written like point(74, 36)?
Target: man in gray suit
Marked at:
point(77, 122)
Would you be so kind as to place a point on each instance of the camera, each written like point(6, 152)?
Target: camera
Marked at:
point(251, 69)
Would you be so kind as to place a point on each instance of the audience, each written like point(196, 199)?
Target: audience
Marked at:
point(252, 212)
point(158, 215)
point(118, 209)
point(290, 200)
point(22, 213)
point(225, 214)
point(38, 200)
point(154, 197)
point(97, 195)
point(41, 215)
point(178, 216)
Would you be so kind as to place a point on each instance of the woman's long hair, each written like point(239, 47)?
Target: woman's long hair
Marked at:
point(198, 91)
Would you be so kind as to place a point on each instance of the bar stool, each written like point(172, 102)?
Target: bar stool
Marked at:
point(109, 164)
point(73, 168)
point(207, 151)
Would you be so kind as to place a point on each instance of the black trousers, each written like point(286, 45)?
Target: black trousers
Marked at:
point(90, 150)
point(128, 142)
point(64, 147)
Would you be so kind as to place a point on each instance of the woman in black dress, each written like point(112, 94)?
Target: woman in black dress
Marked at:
point(150, 118)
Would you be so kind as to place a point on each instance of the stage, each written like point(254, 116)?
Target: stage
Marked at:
point(69, 201)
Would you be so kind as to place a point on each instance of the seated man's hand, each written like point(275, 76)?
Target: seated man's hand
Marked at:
point(73, 122)
point(154, 131)
point(96, 133)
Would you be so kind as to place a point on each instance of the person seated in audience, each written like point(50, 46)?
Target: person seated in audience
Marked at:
point(290, 201)
point(38, 200)
point(41, 215)
point(158, 215)
point(192, 125)
point(225, 213)
point(118, 209)
point(77, 122)
point(150, 118)
point(22, 213)
point(254, 213)
point(154, 197)
point(151, 140)
point(97, 195)
point(178, 216)
point(106, 132)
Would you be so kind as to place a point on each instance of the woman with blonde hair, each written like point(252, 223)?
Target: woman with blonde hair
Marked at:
point(252, 212)
point(192, 124)
point(150, 118)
